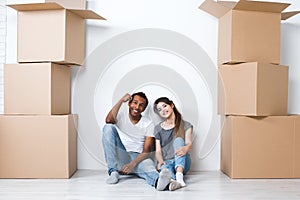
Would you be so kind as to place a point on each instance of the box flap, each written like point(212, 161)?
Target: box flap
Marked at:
point(261, 6)
point(214, 8)
point(87, 14)
point(219, 8)
point(228, 4)
point(287, 15)
point(36, 6)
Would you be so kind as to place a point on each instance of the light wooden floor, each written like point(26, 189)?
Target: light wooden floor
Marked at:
point(90, 184)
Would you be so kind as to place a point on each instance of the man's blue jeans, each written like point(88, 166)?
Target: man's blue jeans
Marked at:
point(183, 161)
point(116, 156)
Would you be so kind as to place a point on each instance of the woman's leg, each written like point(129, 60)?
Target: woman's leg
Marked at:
point(182, 163)
point(170, 165)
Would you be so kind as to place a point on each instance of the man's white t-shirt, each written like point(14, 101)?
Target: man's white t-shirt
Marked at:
point(133, 135)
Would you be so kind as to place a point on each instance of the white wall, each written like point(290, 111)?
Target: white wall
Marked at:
point(160, 38)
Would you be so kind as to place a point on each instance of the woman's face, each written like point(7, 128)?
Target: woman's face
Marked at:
point(164, 110)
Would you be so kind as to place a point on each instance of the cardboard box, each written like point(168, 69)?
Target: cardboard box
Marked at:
point(253, 89)
point(37, 88)
point(69, 4)
point(261, 147)
point(248, 30)
point(58, 36)
point(38, 146)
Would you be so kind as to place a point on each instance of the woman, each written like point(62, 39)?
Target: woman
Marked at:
point(173, 141)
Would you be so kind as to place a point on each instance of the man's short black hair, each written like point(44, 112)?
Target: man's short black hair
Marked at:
point(140, 94)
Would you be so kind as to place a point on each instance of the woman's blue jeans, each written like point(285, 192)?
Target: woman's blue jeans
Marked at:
point(116, 156)
point(183, 161)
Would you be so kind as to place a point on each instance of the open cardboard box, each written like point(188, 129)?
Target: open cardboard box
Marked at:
point(37, 88)
point(38, 146)
point(253, 89)
point(48, 32)
point(68, 4)
point(249, 31)
point(261, 147)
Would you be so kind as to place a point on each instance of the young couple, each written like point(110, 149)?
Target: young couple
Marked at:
point(129, 138)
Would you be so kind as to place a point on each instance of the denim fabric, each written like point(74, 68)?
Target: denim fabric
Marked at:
point(116, 156)
point(183, 161)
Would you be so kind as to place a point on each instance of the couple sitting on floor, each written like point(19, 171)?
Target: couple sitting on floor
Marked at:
point(128, 140)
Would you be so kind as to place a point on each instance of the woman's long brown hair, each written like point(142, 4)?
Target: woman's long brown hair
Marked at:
point(179, 124)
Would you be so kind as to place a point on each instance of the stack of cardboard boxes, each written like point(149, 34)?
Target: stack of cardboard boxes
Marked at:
point(38, 135)
point(259, 139)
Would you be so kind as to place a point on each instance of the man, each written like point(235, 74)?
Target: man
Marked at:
point(128, 140)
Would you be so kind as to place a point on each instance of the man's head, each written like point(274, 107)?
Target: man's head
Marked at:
point(137, 104)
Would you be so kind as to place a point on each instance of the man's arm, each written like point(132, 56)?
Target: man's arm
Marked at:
point(111, 117)
point(147, 149)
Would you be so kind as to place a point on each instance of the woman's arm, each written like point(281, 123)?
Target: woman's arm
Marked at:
point(181, 151)
point(158, 154)
point(189, 139)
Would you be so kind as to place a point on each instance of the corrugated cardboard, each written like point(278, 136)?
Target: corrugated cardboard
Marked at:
point(58, 36)
point(248, 30)
point(261, 147)
point(68, 4)
point(253, 89)
point(297, 148)
point(36, 88)
point(38, 146)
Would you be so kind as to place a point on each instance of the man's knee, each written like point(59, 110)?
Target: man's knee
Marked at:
point(147, 165)
point(109, 130)
point(147, 161)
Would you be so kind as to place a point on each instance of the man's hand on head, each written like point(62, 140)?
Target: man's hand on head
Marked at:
point(126, 97)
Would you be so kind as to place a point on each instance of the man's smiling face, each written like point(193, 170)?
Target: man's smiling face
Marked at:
point(136, 106)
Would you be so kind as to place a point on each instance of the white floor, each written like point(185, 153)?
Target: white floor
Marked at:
point(90, 184)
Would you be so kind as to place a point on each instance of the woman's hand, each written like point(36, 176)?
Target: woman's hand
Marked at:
point(181, 151)
point(159, 165)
